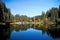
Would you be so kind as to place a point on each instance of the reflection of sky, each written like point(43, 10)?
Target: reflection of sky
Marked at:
point(30, 7)
point(30, 34)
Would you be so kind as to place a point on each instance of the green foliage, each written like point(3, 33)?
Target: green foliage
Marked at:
point(52, 14)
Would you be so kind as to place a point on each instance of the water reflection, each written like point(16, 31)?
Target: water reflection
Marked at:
point(4, 32)
point(54, 32)
point(19, 27)
point(29, 32)
point(25, 27)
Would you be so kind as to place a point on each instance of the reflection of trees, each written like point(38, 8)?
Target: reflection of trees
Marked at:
point(55, 33)
point(25, 27)
point(12, 27)
point(19, 27)
point(4, 32)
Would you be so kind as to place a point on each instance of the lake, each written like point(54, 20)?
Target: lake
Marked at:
point(25, 32)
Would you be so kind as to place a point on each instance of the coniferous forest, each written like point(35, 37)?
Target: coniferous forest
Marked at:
point(52, 15)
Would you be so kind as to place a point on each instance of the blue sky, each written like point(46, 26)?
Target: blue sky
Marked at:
point(30, 7)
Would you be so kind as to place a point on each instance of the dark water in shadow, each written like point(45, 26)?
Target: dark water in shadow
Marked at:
point(28, 32)
point(4, 32)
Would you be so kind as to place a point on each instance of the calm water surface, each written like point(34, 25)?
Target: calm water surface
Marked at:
point(25, 32)
point(31, 34)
